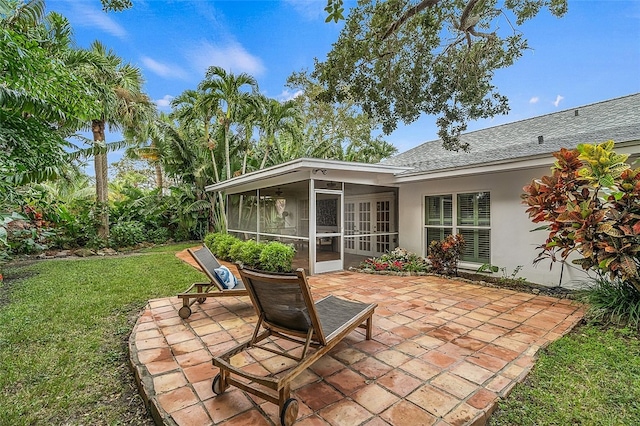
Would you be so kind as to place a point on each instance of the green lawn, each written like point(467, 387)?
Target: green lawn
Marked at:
point(63, 350)
point(63, 331)
point(589, 377)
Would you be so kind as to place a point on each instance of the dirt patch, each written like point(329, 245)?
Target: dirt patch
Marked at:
point(519, 285)
point(489, 281)
point(11, 282)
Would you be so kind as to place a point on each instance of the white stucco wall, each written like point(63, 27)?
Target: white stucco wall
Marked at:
point(512, 243)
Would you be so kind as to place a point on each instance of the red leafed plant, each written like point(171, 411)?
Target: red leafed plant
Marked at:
point(445, 255)
point(591, 206)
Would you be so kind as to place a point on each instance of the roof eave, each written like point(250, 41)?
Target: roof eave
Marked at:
point(305, 164)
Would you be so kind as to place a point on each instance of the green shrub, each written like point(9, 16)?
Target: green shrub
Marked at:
point(273, 257)
point(223, 245)
point(235, 251)
point(250, 254)
point(276, 257)
point(158, 235)
point(210, 240)
point(445, 255)
point(127, 234)
point(616, 302)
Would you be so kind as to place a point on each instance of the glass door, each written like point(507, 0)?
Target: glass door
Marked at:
point(368, 226)
point(328, 227)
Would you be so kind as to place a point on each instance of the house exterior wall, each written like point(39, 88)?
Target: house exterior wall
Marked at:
point(512, 242)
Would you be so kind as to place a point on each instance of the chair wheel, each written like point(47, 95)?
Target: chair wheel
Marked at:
point(289, 412)
point(184, 312)
point(201, 299)
point(216, 386)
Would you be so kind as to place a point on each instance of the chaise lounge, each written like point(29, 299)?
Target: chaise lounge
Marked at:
point(287, 313)
point(208, 263)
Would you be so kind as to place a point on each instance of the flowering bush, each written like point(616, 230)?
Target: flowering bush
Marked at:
point(445, 255)
point(398, 260)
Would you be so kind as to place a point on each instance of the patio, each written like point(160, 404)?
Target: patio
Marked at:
point(443, 352)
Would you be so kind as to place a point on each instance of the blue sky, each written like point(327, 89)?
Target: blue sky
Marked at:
point(590, 55)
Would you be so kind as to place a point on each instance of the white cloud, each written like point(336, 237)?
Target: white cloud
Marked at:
point(86, 15)
point(534, 100)
point(310, 9)
point(232, 57)
point(557, 101)
point(163, 70)
point(287, 95)
point(165, 102)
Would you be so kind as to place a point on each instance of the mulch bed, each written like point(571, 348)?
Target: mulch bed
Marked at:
point(489, 281)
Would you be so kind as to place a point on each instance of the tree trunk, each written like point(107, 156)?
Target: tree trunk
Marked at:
point(227, 149)
point(101, 170)
point(266, 154)
point(159, 180)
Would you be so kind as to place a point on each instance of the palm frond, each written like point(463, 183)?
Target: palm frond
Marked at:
point(22, 102)
point(21, 15)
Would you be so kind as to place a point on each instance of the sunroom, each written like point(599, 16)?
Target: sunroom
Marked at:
point(334, 213)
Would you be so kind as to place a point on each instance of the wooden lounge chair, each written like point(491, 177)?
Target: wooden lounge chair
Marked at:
point(208, 263)
point(286, 310)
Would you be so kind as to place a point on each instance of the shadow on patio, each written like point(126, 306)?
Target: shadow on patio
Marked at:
point(443, 352)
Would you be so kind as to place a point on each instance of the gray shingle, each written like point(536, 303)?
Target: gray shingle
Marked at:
point(617, 119)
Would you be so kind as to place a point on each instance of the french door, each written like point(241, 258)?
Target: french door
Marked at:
point(368, 226)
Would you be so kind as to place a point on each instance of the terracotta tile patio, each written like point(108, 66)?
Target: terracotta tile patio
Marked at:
point(443, 352)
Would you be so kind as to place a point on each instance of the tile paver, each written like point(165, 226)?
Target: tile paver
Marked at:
point(443, 353)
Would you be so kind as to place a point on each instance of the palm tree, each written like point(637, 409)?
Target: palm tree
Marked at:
point(123, 105)
point(195, 110)
point(227, 88)
point(277, 117)
point(189, 166)
point(336, 130)
point(372, 151)
point(150, 145)
point(249, 119)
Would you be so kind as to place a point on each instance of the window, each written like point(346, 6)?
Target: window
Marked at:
point(466, 214)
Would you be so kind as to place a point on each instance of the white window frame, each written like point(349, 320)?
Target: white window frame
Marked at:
point(454, 223)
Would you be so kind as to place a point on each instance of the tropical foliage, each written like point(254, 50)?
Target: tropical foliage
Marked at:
point(222, 128)
point(444, 255)
point(42, 99)
point(613, 302)
point(337, 131)
point(398, 59)
point(122, 104)
point(591, 206)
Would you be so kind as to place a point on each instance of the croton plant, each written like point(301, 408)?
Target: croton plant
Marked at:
point(590, 205)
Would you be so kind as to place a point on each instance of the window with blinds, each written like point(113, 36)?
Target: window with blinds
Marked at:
point(471, 214)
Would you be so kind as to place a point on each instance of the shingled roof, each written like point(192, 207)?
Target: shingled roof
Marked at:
point(617, 119)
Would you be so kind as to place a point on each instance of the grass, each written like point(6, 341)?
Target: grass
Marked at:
point(63, 331)
point(175, 247)
point(589, 377)
point(64, 326)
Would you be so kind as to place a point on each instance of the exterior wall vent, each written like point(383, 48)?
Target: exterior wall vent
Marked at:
point(540, 139)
